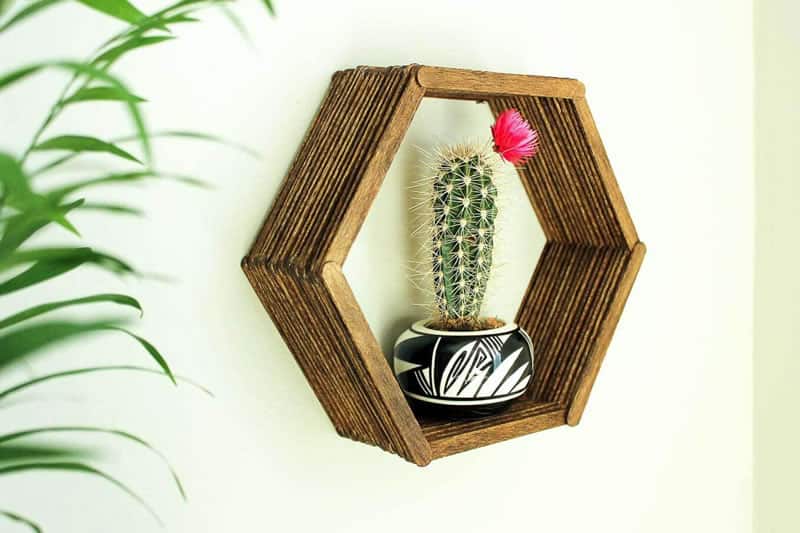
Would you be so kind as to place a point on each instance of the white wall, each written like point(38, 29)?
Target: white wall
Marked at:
point(665, 442)
point(777, 291)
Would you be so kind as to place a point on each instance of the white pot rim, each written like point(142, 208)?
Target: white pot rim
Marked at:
point(419, 327)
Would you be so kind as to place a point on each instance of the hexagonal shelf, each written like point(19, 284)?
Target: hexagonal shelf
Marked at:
point(574, 299)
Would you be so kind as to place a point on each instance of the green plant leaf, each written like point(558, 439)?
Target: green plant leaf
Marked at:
point(154, 353)
point(161, 20)
point(16, 187)
point(121, 9)
point(126, 177)
point(101, 93)
point(194, 135)
point(116, 209)
point(26, 12)
point(53, 164)
point(5, 5)
point(35, 211)
point(55, 262)
point(27, 452)
point(33, 255)
point(137, 41)
point(38, 310)
point(14, 517)
point(39, 272)
point(26, 341)
point(19, 228)
point(24, 257)
point(83, 468)
point(91, 370)
point(236, 22)
point(269, 6)
point(153, 22)
point(81, 143)
point(92, 72)
point(9, 437)
point(14, 76)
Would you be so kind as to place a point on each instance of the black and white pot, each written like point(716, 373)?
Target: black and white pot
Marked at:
point(463, 373)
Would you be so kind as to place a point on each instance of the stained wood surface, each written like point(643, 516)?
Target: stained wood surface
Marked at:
point(439, 82)
point(574, 299)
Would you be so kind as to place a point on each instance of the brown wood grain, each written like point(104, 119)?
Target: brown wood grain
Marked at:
point(570, 309)
point(393, 403)
point(456, 83)
point(590, 369)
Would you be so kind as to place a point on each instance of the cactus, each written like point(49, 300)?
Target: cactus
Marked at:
point(461, 195)
point(464, 209)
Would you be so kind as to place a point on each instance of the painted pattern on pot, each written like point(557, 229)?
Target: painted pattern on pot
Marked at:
point(469, 373)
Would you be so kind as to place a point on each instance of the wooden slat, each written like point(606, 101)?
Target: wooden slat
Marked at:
point(440, 82)
point(467, 440)
point(610, 185)
point(353, 136)
point(603, 338)
point(393, 404)
point(525, 407)
point(372, 177)
point(574, 191)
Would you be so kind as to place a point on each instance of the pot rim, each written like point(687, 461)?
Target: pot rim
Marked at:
point(419, 327)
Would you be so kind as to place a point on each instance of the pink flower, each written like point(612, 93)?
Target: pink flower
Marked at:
point(514, 139)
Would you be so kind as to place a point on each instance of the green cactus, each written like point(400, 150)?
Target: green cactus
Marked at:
point(464, 209)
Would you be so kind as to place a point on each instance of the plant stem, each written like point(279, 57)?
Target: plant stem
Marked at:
point(51, 116)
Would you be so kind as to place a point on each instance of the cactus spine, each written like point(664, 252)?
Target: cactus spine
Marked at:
point(464, 210)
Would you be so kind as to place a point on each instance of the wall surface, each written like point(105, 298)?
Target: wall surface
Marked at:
point(665, 443)
point(777, 287)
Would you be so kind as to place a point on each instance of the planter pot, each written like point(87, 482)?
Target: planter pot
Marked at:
point(460, 374)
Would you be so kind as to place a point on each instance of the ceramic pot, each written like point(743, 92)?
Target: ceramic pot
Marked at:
point(463, 373)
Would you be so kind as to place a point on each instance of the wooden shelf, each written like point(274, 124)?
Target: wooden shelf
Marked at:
point(574, 299)
point(527, 415)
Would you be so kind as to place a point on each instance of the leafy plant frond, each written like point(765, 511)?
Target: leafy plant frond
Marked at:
point(28, 340)
point(120, 9)
point(20, 227)
point(154, 353)
point(25, 341)
point(25, 210)
point(107, 58)
point(32, 312)
point(40, 271)
point(91, 72)
point(269, 6)
point(34, 211)
point(53, 262)
point(194, 135)
point(9, 437)
point(92, 370)
point(236, 22)
point(53, 164)
point(157, 21)
point(26, 12)
point(117, 209)
point(14, 517)
point(17, 191)
point(101, 93)
point(82, 143)
point(83, 468)
point(11, 454)
point(60, 193)
point(85, 254)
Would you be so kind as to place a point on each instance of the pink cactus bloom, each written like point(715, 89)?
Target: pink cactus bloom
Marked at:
point(514, 139)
